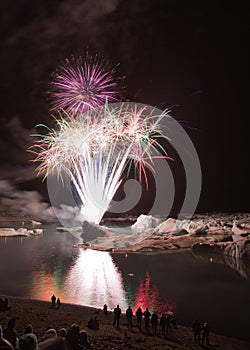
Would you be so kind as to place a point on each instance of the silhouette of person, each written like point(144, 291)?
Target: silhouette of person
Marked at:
point(4, 304)
point(117, 314)
point(4, 343)
point(72, 337)
point(83, 340)
point(146, 315)
point(105, 309)
point(93, 323)
point(205, 333)
point(96, 323)
point(55, 343)
point(168, 323)
point(90, 322)
point(28, 329)
point(163, 321)
point(129, 314)
point(58, 303)
point(154, 322)
point(53, 300)
point(9, 332)
point(197, 332)
point(62, 333)
point(139, 317)
point(28, 341)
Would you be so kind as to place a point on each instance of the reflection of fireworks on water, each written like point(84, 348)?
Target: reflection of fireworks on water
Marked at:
point(95, 148)
point(148, 296)
point(79, 85)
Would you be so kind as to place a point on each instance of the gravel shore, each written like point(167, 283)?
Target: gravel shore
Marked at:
point(40, 315)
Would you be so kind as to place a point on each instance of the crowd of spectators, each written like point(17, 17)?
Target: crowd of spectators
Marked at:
point(74, 338)
point(71, 339)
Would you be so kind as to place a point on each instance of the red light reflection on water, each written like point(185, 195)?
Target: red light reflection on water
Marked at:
point(93, 280)
point(44, 284)
point(148, 296)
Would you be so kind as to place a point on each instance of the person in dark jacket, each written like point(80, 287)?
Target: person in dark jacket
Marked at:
point(28, 341)
point(4, 343)
point(197, 332)
point(129, 314)
point(9, 333)
point(163, 325)
point(154, 323)
point(146, 315)
point(205, 333)
point(117, 315)
point(139, 315)
point(105, 309)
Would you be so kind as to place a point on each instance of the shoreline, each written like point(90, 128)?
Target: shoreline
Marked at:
point(221, 233)
point(26, 309)
point(39, 314)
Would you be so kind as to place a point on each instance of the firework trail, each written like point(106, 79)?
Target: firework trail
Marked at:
point(79, 85)
point(95, 148)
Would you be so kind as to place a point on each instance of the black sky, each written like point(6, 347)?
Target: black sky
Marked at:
point(191, 56)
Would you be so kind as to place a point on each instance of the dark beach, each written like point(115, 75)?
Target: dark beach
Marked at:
point(39, 314)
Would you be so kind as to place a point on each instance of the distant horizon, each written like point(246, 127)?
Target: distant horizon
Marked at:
point(18, 214)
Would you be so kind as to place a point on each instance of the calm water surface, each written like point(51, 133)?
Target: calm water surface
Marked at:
point(208, 288)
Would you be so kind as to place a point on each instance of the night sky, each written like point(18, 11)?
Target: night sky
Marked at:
point(189, 56)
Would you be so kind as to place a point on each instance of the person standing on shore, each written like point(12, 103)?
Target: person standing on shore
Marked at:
point(105, 309)
point(139, 317)
point(146, 315)
point(154, 323)
point(168, 323)
point(117, 315)
point(205, 333)
point(129, 314)
point(58, 303)
point(197, 332)
point(53, 301)
point(163, 324)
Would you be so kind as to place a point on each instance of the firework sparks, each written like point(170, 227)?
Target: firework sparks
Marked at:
point(79, 85)
point(94, 149)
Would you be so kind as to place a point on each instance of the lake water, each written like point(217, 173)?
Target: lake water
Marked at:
point(208, 288)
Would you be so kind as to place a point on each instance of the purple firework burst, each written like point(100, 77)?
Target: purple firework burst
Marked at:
point(79, 85)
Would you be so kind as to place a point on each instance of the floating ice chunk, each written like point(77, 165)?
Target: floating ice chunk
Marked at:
point(145, 222)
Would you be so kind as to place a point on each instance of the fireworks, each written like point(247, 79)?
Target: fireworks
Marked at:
point(95, 140)
point(95, 148)
point(79, 85)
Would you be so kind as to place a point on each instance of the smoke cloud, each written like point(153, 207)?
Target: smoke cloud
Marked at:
point(16, 171)
point(14, 157)
point(27, 202)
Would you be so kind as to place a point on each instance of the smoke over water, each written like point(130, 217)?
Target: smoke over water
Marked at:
point(28, 202)
point(17, 174)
